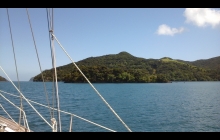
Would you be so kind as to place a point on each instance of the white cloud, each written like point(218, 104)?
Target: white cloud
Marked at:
point(202, 16)
point(166, 30)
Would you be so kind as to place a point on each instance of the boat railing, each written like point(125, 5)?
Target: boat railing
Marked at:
point(65, 112)
point(24, 117)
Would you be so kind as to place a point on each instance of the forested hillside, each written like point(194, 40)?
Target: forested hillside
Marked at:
point(126, 68)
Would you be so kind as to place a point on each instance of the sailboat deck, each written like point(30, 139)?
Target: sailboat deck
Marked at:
point(11, 126)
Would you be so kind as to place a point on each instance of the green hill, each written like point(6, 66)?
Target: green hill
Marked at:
point(2, 79)
point(124, 67)
point(212, 63)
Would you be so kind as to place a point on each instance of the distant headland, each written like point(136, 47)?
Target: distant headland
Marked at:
point(3, 79)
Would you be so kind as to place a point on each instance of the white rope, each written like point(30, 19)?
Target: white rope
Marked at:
point(9, 93)
point(63, 112)
point(15, 65)
point(88, 121)
point(17, 108)
point(92, 85)
point(25, 97)
point(76, 116)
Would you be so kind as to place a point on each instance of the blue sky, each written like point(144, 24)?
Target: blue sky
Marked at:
point(179, 33)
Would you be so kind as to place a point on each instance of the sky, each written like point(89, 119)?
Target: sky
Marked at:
point(179, 33)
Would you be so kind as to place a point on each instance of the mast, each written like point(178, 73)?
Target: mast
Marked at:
point(55, 72)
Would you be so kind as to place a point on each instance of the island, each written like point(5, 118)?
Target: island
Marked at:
point(126, 68)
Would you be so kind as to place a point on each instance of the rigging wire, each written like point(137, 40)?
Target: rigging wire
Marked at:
point(53, 85)
point(21, 106)
point(17, 108)
point(92, 85)
point(39, 62)
point(9, 115)
point(55, 72)
point(62, 112)
point(22, 97)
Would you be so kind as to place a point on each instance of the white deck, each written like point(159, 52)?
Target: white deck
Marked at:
point(10, 126)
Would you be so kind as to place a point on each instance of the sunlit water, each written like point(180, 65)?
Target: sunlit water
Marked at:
point(182, 107)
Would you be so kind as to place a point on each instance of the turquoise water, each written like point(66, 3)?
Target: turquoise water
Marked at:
point(154, 107)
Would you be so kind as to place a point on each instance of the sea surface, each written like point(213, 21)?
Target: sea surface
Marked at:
point(150, 107)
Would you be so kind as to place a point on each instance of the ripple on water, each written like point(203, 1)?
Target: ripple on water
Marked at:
point(183, 107)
